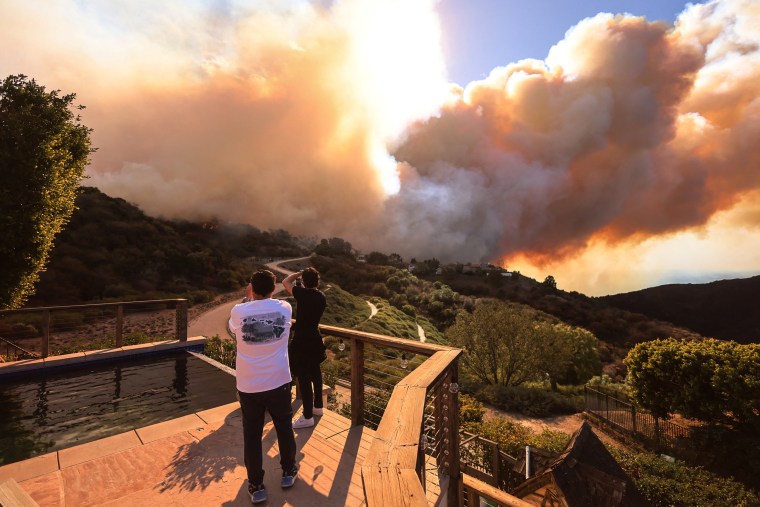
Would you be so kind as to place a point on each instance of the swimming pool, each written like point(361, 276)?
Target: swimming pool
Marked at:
point(47, 411)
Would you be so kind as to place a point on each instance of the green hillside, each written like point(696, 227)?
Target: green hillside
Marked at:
point(111, 250)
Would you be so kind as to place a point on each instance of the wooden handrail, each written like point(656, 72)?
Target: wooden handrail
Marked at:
point(427, 349)
point(389, 471)
point(475, 490)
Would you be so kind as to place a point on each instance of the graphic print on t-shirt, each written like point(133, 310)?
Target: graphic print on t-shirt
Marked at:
point(263, 328)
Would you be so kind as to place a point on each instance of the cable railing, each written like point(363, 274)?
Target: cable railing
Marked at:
point(55, 330)
point(407, 392)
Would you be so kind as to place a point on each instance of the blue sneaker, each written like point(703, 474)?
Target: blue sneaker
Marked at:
point(289, 478)
point(258, 493)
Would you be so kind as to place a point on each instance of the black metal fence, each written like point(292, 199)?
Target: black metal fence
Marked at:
point(627, 417)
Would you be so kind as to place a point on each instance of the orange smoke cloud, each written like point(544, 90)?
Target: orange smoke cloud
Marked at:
point(628, 130)
point(293, 116)
point(276, 115)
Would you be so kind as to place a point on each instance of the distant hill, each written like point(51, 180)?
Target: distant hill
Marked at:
point(111, 250)
point(619, 328)
point(439, 296)
point(727, 309)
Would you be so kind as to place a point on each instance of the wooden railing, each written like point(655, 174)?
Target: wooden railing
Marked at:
point(398, 461)
point(475, 491)
point(482, 459)
point(41, 326)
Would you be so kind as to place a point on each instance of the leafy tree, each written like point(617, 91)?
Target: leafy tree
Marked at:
point(470, 409)
point(44, 149)
point(395, 259)
point(550, 282)
point(498, 339)
point(378, 258)
point(711, 380)
point(569, 354)
point(334, 247)
point(426, 267)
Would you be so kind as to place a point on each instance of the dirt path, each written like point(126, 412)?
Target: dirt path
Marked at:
point(211, 318)
point(565, 423)
point(421, 332)
point(213, 321)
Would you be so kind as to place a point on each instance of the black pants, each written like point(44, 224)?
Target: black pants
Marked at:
point(252, 405)
point(310, 382)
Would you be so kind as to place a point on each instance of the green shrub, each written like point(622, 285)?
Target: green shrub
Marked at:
point(549, 440)
point(224, 351)
point(528, 401)
point(728, 451)
point(667, 484)
point(470, 409)
point(512, 436)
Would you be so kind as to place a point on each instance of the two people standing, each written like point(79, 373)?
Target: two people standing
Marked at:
point(262, 327)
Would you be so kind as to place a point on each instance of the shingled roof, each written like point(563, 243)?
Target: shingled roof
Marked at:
point(584, 474)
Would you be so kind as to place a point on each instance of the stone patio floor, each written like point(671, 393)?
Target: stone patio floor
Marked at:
point(197, 460)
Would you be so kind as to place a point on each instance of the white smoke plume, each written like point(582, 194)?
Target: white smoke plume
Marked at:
point(336, 119)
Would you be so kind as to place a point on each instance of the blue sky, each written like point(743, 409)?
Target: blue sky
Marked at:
point(479, 35)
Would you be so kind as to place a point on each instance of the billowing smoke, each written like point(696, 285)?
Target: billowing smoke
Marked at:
point(629, 129)
point(336, 119)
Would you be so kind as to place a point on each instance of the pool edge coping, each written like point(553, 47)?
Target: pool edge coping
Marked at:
point(52, 462)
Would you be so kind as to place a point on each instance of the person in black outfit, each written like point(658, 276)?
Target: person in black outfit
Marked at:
point(307, 351)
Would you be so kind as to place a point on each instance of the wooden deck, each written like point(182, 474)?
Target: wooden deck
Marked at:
point(198, 460)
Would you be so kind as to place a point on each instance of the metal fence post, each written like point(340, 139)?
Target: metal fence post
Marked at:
point(119, 333)
point(633, 417)
point(607, 404)
point(45, 333)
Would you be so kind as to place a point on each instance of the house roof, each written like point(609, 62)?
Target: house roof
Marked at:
point(587, 475)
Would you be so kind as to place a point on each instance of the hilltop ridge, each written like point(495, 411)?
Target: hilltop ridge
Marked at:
point(724, 309)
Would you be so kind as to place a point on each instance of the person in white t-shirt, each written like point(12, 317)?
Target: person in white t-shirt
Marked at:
point(262, 327)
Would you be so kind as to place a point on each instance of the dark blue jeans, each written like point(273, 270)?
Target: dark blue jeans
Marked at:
point(310, 381)
point(253, 405)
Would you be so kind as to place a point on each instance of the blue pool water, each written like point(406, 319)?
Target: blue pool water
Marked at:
point(47, 411)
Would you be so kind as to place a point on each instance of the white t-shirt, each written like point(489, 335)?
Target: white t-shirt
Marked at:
point(262, 329)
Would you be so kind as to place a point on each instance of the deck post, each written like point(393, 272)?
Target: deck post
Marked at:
point(357, 382)
point(455, 478)
point(119, 333)
point(180, 320)
point(45, 333)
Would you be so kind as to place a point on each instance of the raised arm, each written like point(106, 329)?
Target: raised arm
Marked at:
point(288, 281)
